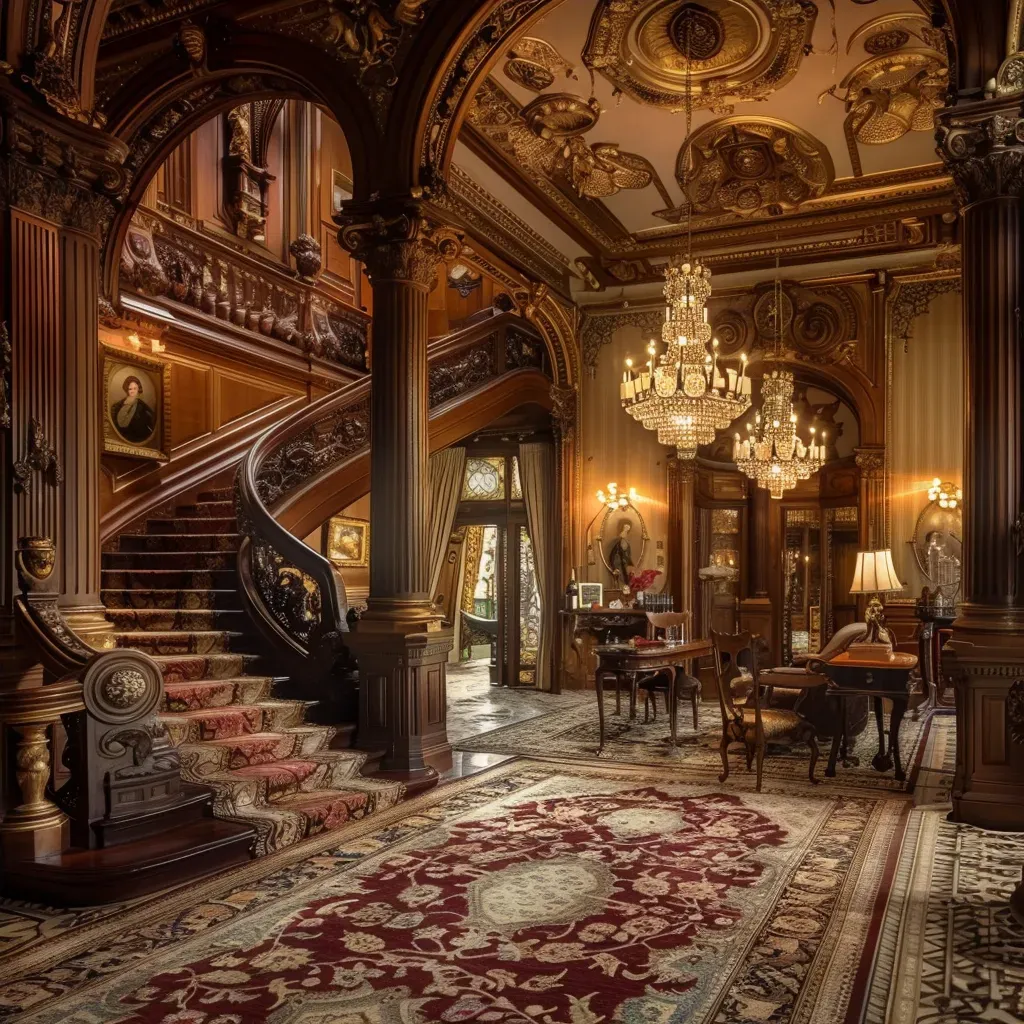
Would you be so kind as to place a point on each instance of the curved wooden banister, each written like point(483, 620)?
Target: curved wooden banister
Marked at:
point(291, 590)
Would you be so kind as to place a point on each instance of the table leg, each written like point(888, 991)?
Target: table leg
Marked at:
point(672, 713)
point(599, 686)
point(882, 761)
point(899, 708)
point(632, 696)
point(618, 696)
point(838, 736)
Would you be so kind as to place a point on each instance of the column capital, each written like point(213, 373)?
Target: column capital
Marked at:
point(871, 461)
point(982, 146)
point(397, 241)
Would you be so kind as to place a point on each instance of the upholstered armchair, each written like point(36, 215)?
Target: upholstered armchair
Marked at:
point(802, 687)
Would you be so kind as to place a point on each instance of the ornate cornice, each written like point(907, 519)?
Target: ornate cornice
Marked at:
point(483, 214)
point(396, 241)
point(982, 146)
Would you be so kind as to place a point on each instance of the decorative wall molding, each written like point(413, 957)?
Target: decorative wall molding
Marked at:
point(5, 377)
point(598, 329)
point(910, 299)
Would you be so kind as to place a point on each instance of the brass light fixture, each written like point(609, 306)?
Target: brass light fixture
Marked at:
point(684, 394)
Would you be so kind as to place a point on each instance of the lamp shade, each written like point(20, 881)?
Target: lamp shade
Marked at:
point(875, 573)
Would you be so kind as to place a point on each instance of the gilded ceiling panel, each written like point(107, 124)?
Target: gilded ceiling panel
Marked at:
point(751, 166)
point(739, 49)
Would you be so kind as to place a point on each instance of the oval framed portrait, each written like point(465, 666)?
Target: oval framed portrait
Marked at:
point(135, 397)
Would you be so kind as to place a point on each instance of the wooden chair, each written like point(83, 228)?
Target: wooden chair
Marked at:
point(746, 721)
point(685, 682)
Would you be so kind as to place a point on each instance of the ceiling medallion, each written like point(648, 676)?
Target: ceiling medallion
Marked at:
point(560, 115)
point(751, 166)
point(900, 84)
point(534, 64)
point(740, 49)
point(696, 31)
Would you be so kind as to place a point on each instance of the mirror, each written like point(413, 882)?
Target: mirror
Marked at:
point(802, 590)
point(938, 542)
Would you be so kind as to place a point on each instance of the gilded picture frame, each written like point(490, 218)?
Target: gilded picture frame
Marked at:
point(348, 542)
point(136, 396)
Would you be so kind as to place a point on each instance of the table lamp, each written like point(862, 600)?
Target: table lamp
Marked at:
point(875, 574)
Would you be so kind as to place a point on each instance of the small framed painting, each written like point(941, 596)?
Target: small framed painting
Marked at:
point(591, 593)
point(348, 542)
point(136, 404)
point(341, 190)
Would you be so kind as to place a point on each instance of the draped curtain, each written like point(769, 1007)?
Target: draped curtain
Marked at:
point(537, 473)
point(446, 471)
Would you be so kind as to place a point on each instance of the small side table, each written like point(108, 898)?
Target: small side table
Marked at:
point(853, 677)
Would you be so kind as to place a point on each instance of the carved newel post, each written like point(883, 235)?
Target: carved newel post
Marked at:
point(399, 642)
point(982, 145)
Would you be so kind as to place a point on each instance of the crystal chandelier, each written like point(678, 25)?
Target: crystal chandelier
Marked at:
point(683, 394)
point(773, 455)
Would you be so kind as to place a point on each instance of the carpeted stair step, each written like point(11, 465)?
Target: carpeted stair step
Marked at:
point(216, 693)
point(181, 561)
point(181, 642)
point(191, 668)
point(219, 494)
point(167, 542)
point(207, 508)
point(224, 723)
point(173, 620)
point(170, 600)
point(192, 524)
point(171, 579)
point(202, 759)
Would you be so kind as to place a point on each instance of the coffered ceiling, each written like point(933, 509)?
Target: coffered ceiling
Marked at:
point(812, 131)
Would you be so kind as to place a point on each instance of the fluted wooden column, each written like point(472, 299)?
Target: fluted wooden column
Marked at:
point(78, 541)
point(399, 642)
point(982, 148)
point(682, 533)
point(756, 612)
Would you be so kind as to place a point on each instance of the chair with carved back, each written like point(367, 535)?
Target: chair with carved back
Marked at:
point(747, 722)
point(686, 684)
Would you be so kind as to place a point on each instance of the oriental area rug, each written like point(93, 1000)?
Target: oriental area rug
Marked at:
point(572, 732)
point(534, 893)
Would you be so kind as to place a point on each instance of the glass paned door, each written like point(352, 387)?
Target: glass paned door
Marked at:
point(529, 612)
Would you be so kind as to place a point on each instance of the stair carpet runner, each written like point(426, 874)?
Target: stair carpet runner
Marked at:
point(173, 593)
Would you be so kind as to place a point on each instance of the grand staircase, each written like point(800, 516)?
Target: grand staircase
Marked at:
point(172, 592)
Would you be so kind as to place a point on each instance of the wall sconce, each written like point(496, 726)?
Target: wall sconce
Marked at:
point(613, 500)
point(945, 494)
point(135, 341)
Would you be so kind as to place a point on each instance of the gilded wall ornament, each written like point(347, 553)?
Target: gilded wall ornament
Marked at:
point(640, 46)
point(751, 166)
point(602, 169)
point(41, 457)
point(534, 64)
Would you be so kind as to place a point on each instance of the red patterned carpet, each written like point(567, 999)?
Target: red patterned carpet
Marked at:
point(535, 893)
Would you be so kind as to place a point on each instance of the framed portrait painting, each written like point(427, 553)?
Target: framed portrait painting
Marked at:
point(136, 412)
point(348, 542)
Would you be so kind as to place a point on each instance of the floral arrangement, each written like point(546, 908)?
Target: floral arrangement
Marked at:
point(642, 580)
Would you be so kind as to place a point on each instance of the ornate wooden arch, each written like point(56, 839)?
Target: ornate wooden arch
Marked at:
point(155, 110)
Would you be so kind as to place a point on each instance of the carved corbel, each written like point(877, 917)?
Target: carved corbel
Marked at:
point(564, 407)
point(983, 149)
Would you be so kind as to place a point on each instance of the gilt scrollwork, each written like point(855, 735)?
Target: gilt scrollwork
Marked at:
point(291, 596)
point(1015, 711)
point(41, 457)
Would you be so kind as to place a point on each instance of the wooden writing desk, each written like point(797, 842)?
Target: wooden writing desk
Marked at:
point(620, 661)
point(851, 677)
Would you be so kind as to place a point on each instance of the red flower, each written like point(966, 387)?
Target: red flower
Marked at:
point(643, 580)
